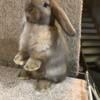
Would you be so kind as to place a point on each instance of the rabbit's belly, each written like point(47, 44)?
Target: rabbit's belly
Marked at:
point(41, 41)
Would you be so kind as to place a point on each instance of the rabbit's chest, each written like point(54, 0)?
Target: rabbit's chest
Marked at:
point(41, 39)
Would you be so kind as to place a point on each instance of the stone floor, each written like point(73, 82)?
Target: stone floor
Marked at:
point(11, 88)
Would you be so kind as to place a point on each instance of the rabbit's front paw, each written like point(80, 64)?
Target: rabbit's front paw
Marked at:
point(19, 59)
point(32, 64)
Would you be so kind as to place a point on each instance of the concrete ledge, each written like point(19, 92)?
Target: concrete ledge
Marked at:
point(13, 89)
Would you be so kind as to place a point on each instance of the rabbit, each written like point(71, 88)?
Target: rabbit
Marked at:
point(40, 38)
point(41, 46)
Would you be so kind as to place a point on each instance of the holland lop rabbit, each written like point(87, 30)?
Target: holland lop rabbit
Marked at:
point(41, 48)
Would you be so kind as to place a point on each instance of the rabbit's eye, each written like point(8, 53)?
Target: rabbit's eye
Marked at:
point(45, 5)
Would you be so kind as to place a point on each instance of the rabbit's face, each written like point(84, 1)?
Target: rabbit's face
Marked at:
point(38, 12)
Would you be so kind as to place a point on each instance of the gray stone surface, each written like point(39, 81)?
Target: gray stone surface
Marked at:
point(11, 88)
point(11, 12)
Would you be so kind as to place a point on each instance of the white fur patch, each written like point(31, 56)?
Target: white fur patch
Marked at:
point(41, 38)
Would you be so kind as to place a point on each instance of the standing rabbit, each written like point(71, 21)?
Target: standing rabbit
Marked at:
point(41, 52)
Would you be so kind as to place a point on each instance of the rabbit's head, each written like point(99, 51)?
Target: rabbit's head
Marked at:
point(38, 11)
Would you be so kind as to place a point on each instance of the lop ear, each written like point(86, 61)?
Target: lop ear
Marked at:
point(62, 18)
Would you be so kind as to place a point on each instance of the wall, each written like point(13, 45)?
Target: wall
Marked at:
point(95, 7)
point(96, 11)
point(11, 12)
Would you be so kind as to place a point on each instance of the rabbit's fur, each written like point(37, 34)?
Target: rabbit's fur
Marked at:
point(40, 42)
